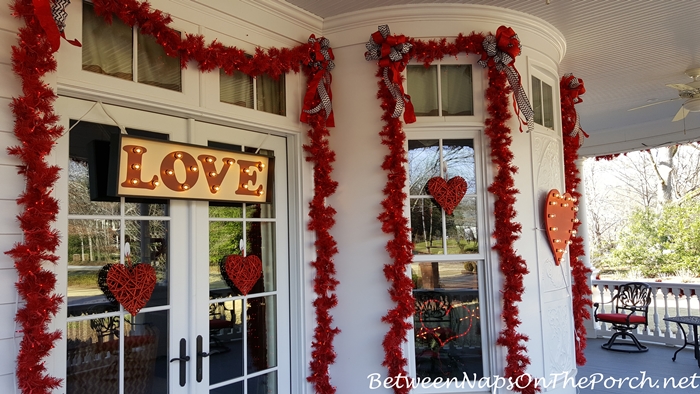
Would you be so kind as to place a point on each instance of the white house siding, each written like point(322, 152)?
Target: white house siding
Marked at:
point(12, 186)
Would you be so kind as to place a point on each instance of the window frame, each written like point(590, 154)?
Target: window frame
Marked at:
point(445, 132)
point(72, 77)
point(478, 85)
point(540, 72)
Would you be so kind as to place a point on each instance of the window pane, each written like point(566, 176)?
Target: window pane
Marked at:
point(537, 99)
point(457, 90)
point(79, 202)
point(155, 67)
point(107, 48)
point(458, 156)
point(421, 84)
point(260, 241)
point(261, 321)
point(92, 244)
point(548, 105)
point(426, 226)
point(271, 95)
point(236, 89)
point(148, 244)
point(462, 228)
point(423, 164)
point(447, 320)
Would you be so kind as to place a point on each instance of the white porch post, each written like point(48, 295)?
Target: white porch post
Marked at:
point(583, 233)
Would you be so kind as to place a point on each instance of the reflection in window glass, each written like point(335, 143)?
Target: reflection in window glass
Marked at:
point(543, 103)
point(547, 106)
point(421, 83)
point(446, 321)
point(262, 333)
point(79, 201)
point(433, 231)
point(155, 67)
point(107, 48)
point(457, 90)
point(537, 99)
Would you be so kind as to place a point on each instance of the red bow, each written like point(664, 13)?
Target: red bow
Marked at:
point(318, 91)
point(507, 42)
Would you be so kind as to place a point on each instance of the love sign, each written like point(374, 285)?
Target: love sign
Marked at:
point(142, 167)
point(560, 216)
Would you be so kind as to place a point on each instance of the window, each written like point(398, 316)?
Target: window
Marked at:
point(452, 84)
point(121, 51)
point(542, 103)
point(262, 93)
point(447, 262)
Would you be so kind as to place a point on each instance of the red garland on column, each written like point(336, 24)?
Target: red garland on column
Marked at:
point(571, 88)
point(317, 113)
point(36, 132)
point(34, 127)
point(506, 229)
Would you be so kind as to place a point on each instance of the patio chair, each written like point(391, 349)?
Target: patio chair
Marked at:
point(630, 307)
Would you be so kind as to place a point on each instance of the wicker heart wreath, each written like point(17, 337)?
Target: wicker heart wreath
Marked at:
point(242, 272)
point(131, 286)
point(560, 216)
point(447, 194)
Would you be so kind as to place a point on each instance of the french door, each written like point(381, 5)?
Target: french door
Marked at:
point(217, 321)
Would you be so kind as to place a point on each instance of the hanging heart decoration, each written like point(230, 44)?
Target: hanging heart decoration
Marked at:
point(102, 282)
point(443, 335)
point(132, 286)
point(560, 216)
point(447, 194)
point(243, 272)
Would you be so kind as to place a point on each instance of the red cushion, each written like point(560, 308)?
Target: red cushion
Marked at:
point(620, 318)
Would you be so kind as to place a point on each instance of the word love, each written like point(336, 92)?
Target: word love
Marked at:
point(159, 169)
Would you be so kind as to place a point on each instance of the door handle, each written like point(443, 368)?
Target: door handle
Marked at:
point(200, 356)
point(183, 359)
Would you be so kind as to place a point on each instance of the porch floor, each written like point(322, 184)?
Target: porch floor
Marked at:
point(655, 364)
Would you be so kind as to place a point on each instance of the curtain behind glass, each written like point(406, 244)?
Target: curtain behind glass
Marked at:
point(457, 91)
point(107, 48)
point(155, 67)
point(236, 89)
point(271, 95)
point(422, 86)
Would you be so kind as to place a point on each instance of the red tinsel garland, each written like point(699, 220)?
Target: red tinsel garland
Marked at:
point(35, 128)
point(581, 292)
point(506, 229)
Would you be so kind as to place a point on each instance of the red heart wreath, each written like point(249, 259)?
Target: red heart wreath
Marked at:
point(244, 272)
point(131, 286)
point(560, 216)
point(447, 194)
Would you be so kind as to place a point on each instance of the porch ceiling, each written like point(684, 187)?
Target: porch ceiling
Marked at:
point(626, 52)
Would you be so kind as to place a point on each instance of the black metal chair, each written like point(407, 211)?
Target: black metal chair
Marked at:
point(630, 307)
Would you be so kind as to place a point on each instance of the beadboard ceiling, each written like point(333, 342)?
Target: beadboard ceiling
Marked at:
point(625, 52)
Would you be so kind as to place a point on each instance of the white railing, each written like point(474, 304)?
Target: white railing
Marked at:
point(669, 299)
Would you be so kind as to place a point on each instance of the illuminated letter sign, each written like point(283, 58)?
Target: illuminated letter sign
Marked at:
point(161, 169)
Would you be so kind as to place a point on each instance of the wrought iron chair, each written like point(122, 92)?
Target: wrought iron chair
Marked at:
point(630, 307)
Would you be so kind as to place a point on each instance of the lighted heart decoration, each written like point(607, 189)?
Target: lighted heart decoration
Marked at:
point(131, 286)
point(447, 194)
point(560, 216)
point(444, 335)
point(243, 272)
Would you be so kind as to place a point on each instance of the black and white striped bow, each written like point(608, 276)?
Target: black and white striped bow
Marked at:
point(503, 62)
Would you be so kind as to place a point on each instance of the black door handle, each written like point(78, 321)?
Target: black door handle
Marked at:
point(200, 356)
point(183, 359)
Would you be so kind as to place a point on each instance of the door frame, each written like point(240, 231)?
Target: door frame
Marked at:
point(298, 238)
